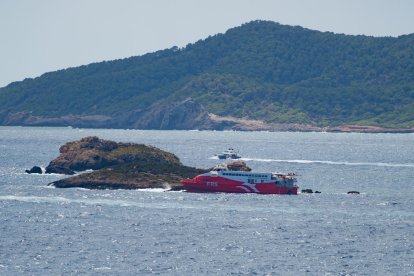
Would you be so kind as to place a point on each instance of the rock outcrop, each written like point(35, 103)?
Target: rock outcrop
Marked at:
point(234, 166)
point(131, 176)
point(119, 166)
point(59, 170)
point(238, 166)
point(92, 153)
point(35, 169)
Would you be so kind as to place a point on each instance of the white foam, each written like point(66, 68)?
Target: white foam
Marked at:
point(154, 190)
point(102, 268)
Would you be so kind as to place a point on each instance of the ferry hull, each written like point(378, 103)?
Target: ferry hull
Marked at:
point(220, 184)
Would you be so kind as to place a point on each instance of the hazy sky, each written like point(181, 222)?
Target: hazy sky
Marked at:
point(38, 36)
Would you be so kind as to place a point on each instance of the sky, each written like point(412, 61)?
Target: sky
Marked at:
point(46, 35)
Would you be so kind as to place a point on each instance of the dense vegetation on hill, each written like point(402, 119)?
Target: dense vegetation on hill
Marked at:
point(260, 70)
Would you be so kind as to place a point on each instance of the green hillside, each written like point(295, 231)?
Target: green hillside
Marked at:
point(260, 70)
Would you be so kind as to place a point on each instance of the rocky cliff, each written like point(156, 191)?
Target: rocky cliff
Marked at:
point(186, 114)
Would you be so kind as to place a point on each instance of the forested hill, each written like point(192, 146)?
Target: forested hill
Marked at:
point(261, 71)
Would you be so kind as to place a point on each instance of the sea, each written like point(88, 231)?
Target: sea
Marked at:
point(51, 231)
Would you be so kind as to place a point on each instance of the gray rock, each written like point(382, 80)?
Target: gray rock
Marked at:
point(35, 169)
point(59, 170)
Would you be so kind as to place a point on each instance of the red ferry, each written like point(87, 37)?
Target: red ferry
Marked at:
point(220, 179)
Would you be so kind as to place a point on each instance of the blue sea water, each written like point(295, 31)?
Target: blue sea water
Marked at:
point(48, 231)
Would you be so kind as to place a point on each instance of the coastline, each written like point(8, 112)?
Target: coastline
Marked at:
point(203, 121)
point(267, 127)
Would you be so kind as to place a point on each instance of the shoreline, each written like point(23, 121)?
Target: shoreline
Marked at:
point(268, 128)
point(208, 121)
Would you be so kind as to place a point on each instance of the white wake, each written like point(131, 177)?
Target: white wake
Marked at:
point(346, 163)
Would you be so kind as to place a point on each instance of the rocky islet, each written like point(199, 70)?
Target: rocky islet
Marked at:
point(121, 166)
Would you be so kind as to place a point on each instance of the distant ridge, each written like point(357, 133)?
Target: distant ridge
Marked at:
point(269, 75)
